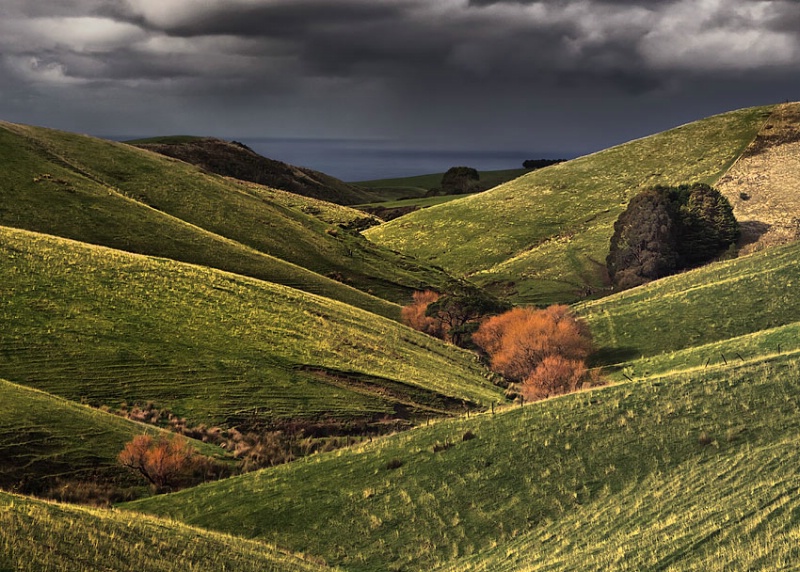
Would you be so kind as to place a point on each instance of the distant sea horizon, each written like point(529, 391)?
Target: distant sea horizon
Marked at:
point(364, 160)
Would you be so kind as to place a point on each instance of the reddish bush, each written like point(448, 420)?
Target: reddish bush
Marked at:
point(553, 376)
point(161, 461)
point(520, 339)
point(414, 316)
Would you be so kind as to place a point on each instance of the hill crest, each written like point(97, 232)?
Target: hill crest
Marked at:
point(237, 160)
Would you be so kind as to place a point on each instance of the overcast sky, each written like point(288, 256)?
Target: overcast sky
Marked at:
point(554, 75)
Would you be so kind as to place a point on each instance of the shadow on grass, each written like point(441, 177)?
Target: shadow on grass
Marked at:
point(610, 356)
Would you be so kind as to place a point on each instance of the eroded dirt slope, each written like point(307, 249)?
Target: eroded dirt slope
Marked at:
point(764, 184)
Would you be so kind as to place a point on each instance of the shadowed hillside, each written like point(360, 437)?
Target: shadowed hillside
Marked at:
point(544, 237)
point(47, 442)
point(234, 159)
point(116, 195)
point(104, 326)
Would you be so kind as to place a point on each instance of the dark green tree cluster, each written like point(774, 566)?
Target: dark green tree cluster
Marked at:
point(460, 181)
point(668, 229)
point(460, 311)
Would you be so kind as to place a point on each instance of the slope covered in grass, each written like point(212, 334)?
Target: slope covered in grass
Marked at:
point(544, 237)
point(37, 535)
point(117, 195)
point(713, 513)
point(43, 438)
point(710, 304)
point(105, 326)
point(233, 159)
point(536, 472)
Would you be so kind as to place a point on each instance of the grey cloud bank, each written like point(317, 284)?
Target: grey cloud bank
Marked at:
point(558, 75)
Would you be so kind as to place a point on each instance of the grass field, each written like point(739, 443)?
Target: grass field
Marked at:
point(44, 438)
point(37, 536)
point(714, 513)
point(116, 195)
point(544, 237)
point(710, 304)
point(538, 474)
point(104, 326)
point(409, 188)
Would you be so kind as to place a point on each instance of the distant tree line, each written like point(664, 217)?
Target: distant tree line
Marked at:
point(668, 229)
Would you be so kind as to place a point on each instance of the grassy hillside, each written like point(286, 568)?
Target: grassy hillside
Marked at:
point(713, 513)
point(416, 186)
point(710, 304)
point(232, 159)
point(544, 237)
point(44, 438)
point(120, 196)
point(37, 536)
point(541, 474)
point(104, 326)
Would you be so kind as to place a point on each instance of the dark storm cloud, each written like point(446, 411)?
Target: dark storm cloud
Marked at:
point(331, 62)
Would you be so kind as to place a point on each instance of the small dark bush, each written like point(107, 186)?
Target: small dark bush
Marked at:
point(394, 464)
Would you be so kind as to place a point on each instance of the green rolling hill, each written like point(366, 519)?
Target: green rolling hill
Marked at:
point(589, 470)
point(748, 299)
point(119, 196)
point(544, 237)
point(687, 460)
point(652, 474)
point(46, 440)
point(37, 535)
point(103, 326)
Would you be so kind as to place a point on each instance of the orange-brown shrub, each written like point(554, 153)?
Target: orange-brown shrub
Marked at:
point(161, 461)
point(519, 340)
point(553, 376)
point(414, 316)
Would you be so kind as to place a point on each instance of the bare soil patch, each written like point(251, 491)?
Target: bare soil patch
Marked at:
point(763, 186)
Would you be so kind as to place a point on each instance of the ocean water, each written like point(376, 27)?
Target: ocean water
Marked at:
point(360, 160)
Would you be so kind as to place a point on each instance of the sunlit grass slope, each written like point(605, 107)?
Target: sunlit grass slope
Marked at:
point(105, 326)
point(716, 512)
point(37, 536)
point(709, 305)
point(541, 473)
point(544, 237)
point(43, 437)
point(120, 196)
